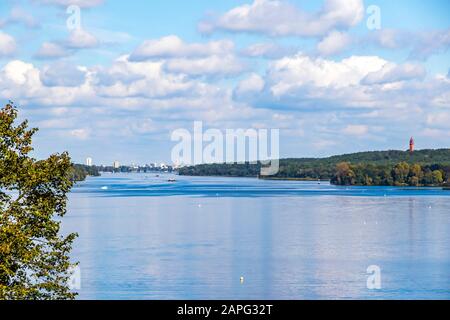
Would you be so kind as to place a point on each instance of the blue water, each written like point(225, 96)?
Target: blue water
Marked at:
point(142, 237)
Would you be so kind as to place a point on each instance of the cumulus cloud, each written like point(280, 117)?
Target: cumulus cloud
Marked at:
point(62, 75)
point(19, 72)
point(301, 83)
point(173, 47)
point(211, 66)
point(267, 51)
point(140, 79)
point(7, 45)
point(81, 39)
point(78, 39)
point(51, 50)
point(290, 73)
point(431, 43)
point(334, 43)
point(421, 44)
point(251, 85)
point(279, 18)
point(210, 59)
point(137, 85)
point(394, 73)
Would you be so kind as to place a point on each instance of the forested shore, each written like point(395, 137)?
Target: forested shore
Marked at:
point(390, 168)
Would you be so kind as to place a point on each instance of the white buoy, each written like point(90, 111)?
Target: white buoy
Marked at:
point(104, 188)
point(242, 279)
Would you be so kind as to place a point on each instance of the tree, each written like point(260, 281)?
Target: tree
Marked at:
point(344, 174)
point(34, 257)
point(416, 175)
point(437, 177)
point(401, 172)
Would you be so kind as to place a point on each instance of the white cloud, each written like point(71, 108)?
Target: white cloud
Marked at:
point(334, 43)
point(62, 75)
point(81, 39)
point(210, 59)
point(78, 39)
point(291, 73)
point(279, 18)
point(253, 84)
point(366, 88)
point(19, 72)
point(393, 73)
point(267, 50)
point(7, 44)
point(211, 66)
point(50, 50)
point(173, 47)
point(421, 44)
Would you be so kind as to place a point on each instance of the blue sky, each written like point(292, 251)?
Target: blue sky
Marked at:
point(134, 71)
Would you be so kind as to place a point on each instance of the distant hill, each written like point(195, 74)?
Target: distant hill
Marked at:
point(427, 156)
point(326, 168)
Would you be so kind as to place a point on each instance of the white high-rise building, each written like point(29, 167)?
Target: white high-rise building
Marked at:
point(116, 164)
point(89, 161)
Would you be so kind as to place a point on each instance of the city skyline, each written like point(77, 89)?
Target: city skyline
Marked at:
point(334, 76)
point(117, 164)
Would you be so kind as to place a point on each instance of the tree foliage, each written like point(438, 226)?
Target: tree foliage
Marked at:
point(79, 172)
point(402, 174)
point(34, 256)
point(390, 168)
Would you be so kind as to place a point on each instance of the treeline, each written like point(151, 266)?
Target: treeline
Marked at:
point(366, 168)
point(223, 170)
point(79, 172)
point(402, 174)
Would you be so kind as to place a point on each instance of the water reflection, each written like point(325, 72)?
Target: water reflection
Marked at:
point(307, 243)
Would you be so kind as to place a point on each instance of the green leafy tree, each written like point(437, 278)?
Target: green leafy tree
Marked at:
point(416, 175)
point(401, 172)
point(437, 177)
point(34, 256)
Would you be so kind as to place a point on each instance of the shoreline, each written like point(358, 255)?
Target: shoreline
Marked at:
point(445, 188)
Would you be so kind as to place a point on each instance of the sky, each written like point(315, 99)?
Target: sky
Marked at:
point(112, 79)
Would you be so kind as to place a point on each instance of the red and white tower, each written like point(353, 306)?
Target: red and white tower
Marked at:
point(411, 145)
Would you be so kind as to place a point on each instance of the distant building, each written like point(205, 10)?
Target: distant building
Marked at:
point(411, 145)
point(116, 164)
point(89, 162)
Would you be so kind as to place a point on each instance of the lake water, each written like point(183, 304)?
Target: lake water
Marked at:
point(142, 237)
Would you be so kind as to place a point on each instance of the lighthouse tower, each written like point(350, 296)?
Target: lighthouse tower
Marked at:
point(411, 145)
